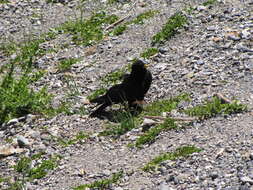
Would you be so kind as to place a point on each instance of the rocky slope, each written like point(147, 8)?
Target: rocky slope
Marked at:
point(212, 53)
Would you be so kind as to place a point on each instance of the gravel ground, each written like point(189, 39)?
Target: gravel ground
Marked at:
point(212, 53)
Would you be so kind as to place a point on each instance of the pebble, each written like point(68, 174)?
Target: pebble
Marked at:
point(22, 141)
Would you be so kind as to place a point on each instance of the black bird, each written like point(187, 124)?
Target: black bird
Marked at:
point(132, 89)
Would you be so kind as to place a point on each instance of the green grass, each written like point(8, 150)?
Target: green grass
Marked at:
point(179, 152)
point(126, 122)
point(149, 136)
point(88, 31)
point(149, 52)
point(215, 107)
point(96, 93)
point(65, 64)
point(138, 20)
point(119, 30)
point(166, 105)
point(209, 2)
point(4, 1)
point(101, 184)
point(39, 171)
point(78, 138)
point(143, 16)
point(17, 99)
point(169, 29)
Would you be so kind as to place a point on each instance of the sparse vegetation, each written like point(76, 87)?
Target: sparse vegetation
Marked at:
point(4, 1)
point(24, 166)
point(96, 93)
point(126, 123)
point(151, 134)
point(169, 29)
point(101, 184)
point(149, 52)
point(215, 107)
point(166, 105)
point(179, 152)
point(143, 16)
point(65, 64)
point(88, 31)
point(138, 20)
point(209, 2)
point(77, 139)
point(119, 30)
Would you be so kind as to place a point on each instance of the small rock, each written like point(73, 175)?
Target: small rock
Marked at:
point(22, 141)
point(201, 8)
point(214, 175)
point(246, 179)
point(12, 121)
point(163, 186)
point(234, 35)
point(8, 150)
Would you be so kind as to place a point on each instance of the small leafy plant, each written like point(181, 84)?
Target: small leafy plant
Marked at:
point(215, 107)
point(169, 29)
point(65, 64)
point(126, 123)
point(179, 152)
point(209, 2)
point(101, 184)
point(149, 52)
point(151, 134)
point(88, 31)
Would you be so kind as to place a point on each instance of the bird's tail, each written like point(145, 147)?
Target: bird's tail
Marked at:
point(98, 100)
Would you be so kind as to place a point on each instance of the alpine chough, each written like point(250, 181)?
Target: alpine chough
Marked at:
point(132, 89)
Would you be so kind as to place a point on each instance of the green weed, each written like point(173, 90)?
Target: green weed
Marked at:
point(126, 123)
point(4, 1)
point(102, 184)
point(88, 31)
point(158, 107)
point(179, 152)
point(215, 107)
point(149, 52)
point(78, 138)
point(65, 64)
point(143, 16)
point(169, 29)
point(119, 30)
point(209, 2)
point(149, 136)
point(96, 93)
point(24, 166)
point(17, 99)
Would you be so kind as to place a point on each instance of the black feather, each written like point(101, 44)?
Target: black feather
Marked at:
point(133, 88)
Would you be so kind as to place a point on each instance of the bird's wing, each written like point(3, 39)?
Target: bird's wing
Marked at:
point(147, 82)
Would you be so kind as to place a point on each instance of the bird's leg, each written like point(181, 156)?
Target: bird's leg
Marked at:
point(99, 110)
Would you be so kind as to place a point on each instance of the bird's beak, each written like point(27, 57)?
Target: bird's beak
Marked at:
point(146, 65)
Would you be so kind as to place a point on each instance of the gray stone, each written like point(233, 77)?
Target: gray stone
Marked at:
point(22, 141)
point(246, 179)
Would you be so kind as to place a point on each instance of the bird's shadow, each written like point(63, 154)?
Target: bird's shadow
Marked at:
point(116, 116)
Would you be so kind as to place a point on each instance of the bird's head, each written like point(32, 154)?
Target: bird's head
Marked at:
point(139, 66)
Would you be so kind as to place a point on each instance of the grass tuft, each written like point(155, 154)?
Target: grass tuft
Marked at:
point(158, 107)
point(143, 16)
point(119, 30)
point(149, 52)
point(169, 29)
point(24, 166)
point(65, 64)
point(78, 138)
point(127, 123)
point(209, 2)
point(215, 107)
point(102, 184)
point(88, 31)
point(179, 152)
point(149, 136)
